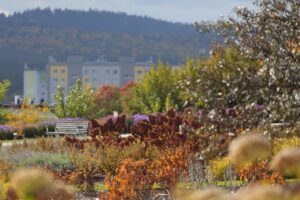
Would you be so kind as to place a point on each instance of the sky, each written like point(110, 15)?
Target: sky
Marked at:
point(186, 11)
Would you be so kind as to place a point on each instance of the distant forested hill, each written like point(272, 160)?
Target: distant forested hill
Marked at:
point(34, 35)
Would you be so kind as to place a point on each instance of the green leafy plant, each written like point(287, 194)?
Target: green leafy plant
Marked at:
point(4, 86)
point(78, 103)
point(157, 92)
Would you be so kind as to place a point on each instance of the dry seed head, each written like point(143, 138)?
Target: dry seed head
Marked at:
point(292, 192)
point(209, 194)
point(261, 192)
point(30, 183)
point(37, 184)
point(287, 161)
point(58, 191)
point(249, 148)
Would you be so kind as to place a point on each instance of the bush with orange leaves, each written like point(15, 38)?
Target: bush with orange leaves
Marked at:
point(130, 180)
point(259, 172)
point(167, 169)
point(135, 177)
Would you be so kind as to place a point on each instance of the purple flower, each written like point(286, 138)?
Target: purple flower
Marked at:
point(71, 119)
point(48, 123)
point(260, 107)
point(4, 127)
point(7, 128)
point(138, 117)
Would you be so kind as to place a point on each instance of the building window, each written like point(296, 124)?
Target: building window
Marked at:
point(127, 76)
point(86, 71)
point(63, 71)
point(139, 72)
point(115, 71)
point(55, 80)
point(55, 71)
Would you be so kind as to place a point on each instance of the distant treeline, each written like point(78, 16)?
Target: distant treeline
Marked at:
point(34, 35)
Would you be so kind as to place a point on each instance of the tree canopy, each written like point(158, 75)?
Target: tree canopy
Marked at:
point(4, 86)
point(157, 92)
point(270, 35)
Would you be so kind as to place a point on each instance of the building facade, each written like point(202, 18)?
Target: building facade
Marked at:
point(42, 85)
point(99, 73)
point(35, 86)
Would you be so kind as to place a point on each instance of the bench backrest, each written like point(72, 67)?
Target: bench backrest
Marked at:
point(72, 126)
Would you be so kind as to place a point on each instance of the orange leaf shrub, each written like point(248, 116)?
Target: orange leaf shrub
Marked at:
point(130, 180)
point(167, 169)
point(259, 172)
point(133, 177)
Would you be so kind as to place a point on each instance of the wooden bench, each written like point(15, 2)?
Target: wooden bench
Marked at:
point(70, 127)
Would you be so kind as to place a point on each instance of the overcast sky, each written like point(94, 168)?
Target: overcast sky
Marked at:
point(171, 10)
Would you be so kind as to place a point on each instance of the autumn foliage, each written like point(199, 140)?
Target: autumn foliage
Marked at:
point(135, 177)
point(259, 172)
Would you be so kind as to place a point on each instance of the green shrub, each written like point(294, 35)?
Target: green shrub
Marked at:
point(78, 102)
point(2, 135)
point(157, 92)
point(3, 113)
point(30, 132)
point(41, 131)
point(54, 161)
point(51, 128)
point(6, 135)
point(9, 136)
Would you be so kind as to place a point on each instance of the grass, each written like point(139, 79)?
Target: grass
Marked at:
point(17, 140)
point(55, 161)
point(102, 187)
point(233, 183)
point(236, 183)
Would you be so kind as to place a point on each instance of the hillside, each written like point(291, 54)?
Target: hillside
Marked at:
point(34, 35)
point(102, 21)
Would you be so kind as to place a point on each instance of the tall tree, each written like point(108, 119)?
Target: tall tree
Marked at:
point(106, 100)
point(217, 82)
point(157, 92)
point(78, 103)
point(270, 34)
point(4, 86)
